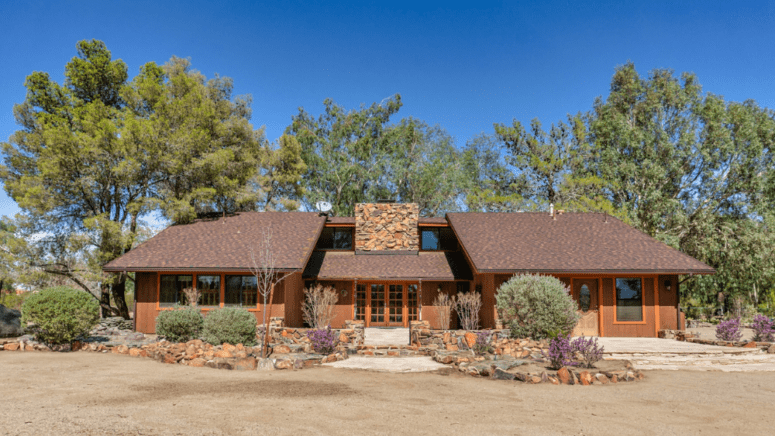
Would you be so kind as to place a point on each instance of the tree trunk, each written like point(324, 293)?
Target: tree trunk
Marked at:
point(268, 312)
point(107, 311)
point(118, 290)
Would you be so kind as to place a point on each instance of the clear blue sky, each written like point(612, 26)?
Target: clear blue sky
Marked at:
point(464, 66)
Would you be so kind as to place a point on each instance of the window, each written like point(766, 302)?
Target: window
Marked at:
point(336, 238)
point(209, 288)
point(434, 239)
point(171, 290)
point(629, 300)
point(360, 302)
point(585, 298)
point(411, 302)
point(241, 291)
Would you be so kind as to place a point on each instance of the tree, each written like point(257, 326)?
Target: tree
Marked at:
point(492, 184)
point(279, 179)
point(343, 151)
point(97, 153)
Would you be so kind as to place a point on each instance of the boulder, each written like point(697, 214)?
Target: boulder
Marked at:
point(470, 339)
point(284, 364)
point(265, 364)
point(197, 363)
point(585, 378)
point(565, 376)
point(245, 364)
point(12, 346)
point(10, 322)
point(771, 350)
point(281, 349)
point(602, 378)
point(500, 374)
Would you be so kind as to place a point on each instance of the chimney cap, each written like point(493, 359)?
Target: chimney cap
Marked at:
point(386, 200)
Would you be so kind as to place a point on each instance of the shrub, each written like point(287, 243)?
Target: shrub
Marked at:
point(180, 324)
point(763, 329)
point(560, 352)
point(323, 340)
point(536, 306)
point(483, 341)
point(588, 350)
point(467, 306)
point(60, 314)
point(232, 325)
point(729, 330)
point(319, 304)
point(444, 305)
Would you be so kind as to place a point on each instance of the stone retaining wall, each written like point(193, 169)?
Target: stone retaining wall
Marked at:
point(453, 340)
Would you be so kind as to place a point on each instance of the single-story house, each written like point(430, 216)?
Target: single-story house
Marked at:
point(388, 264)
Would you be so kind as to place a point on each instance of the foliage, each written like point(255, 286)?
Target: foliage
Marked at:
point(467, 306)
point(13, 301)
point(493, 184)
point(536, 306)
point(319, 303)
point(589, 351)
point(60, 314)
point(729, 330)
point(561, 352)
point(232, 325)
point(279, 179)
point(179, 324)
point(323, 340)
point(444, 305)
point(763, 329)
point(483, 343)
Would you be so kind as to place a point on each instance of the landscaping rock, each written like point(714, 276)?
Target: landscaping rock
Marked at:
point(585, 378)
point(771, 350)
point(565, 376)
point(245, 363)
point(470, 339)
point(602, 378)
point(265, 364)
point(197, 363)
point(10, 322)
point(500, 374)
point(11, 346)
point(284, 364)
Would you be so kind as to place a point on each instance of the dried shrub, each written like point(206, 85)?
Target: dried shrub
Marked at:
point(323, 340)
point(729, 330)
point(60, 314)
point(444, 305)
point(536, 306)
point(588, 350)
point(232, 325)
point(467, 306)
point(192, 296)
point(561, 352)
point(318, 306)
point(763, 329)
point(180, 324)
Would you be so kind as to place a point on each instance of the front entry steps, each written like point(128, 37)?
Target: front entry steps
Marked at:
point(386, 336)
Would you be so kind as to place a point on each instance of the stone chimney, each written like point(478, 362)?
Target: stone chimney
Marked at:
point(386, 227)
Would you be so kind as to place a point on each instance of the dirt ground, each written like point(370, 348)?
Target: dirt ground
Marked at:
point(710, 333)
point(87, 393)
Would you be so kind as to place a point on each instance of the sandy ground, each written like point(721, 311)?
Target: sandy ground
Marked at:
point(87, 393)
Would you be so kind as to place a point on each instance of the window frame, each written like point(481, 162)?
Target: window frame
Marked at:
point(258, 294)
point(336, 229)
point(194, 277)
point(642, 301)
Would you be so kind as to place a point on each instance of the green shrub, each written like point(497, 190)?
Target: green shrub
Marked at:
point(536, 306)
point(232, 325)
point(180, 324)
point(60, 314)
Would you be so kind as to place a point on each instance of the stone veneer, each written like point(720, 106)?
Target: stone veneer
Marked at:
point(386, 227)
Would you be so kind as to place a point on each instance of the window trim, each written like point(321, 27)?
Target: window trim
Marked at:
point(194, 275)
point(642, 302)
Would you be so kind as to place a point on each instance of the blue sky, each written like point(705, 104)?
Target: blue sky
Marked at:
point(464, 66)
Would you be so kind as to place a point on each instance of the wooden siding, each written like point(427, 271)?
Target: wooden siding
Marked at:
point(146, 296)
point(613, 328)
point(429, 311)
point(293, 297)
point(343, 310)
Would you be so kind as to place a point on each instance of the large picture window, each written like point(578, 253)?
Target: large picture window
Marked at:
point(629, 300)
point(336, 238)
point(209, 288)
point(171, 290)
point(241, 291)
point(438, 239)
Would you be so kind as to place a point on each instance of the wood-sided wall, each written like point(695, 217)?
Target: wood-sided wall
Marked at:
point(147, 298)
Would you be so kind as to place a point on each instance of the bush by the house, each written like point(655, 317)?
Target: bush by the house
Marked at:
point(588, 350)
point(560, 352)
point(323, 340)
point(536, 306)
point(233, 325)
point(318, 309)
point(763, 329)
point(729, 330)
point(180, 324)
point(467, 306)
point(60, 314)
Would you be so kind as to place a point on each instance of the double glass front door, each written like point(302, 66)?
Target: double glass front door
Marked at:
point(386, 304)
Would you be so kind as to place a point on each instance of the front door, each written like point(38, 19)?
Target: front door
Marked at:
point(386, 304)
point(585, 294)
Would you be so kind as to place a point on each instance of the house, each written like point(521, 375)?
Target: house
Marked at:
point(388, 264)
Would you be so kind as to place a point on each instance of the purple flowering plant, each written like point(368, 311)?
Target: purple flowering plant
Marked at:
point(323, 340)
point(588, 349)
point(763, 329)
point(483, 340)
point(729, 330)
point(561, 352)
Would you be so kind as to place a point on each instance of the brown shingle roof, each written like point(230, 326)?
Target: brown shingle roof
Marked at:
point(224, 243)
point(432, 220)
point(424, 265)
point(574, 242)
point(341, 220)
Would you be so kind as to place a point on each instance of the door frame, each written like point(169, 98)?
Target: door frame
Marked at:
point(598, 298)
point(404, 301)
